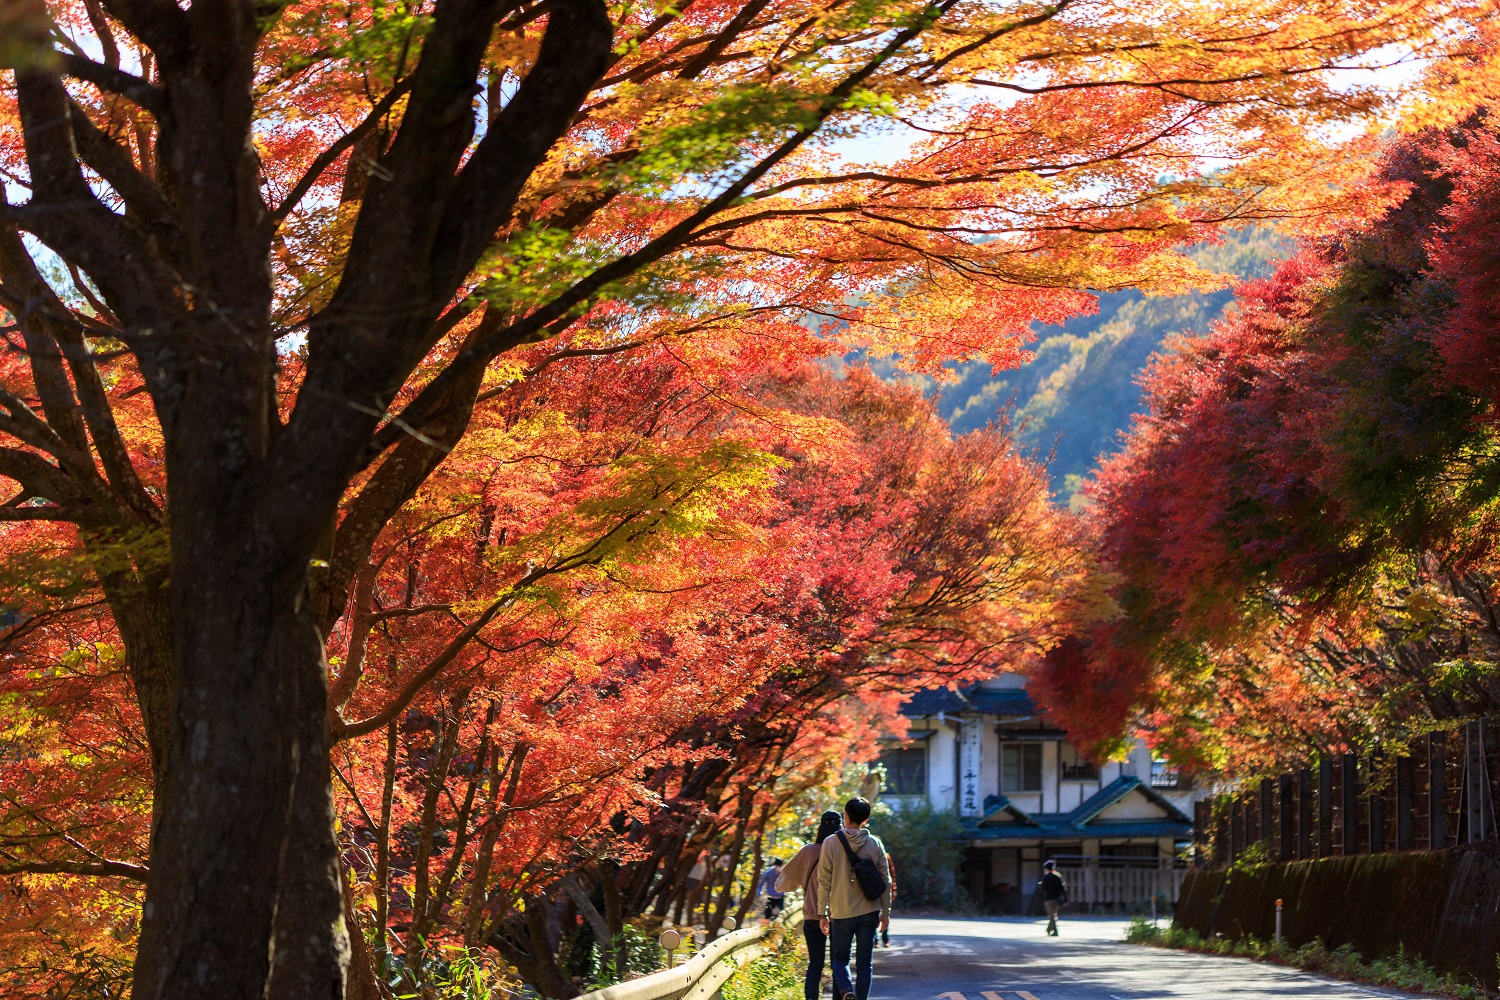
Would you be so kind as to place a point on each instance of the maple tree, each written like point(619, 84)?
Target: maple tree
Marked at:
point(688, 683)
point(1302, 522)
point(688, 696)
point(290, 247)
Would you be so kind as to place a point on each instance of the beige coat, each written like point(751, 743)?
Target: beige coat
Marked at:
point(839, 895)
point(802, 873)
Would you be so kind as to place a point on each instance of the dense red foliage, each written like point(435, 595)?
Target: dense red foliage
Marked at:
point(1301, 523)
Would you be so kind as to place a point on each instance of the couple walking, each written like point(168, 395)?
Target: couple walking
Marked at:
point(845, 876)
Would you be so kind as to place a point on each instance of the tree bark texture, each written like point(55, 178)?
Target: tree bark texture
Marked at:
point(225, 635)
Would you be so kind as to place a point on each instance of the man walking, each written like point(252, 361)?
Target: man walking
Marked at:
point(1054, 894)
point(849, 916)
point(767, 887)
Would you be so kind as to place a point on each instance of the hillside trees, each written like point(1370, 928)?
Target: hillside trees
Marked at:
point(302, 241)
point(1303, 521)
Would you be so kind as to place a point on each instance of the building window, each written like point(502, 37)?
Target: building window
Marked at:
point(905, 770)
point(1074, 767)
point(1020, 767)
point(1164, 775)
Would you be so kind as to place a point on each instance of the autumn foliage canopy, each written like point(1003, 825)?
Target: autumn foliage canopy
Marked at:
point(1301, 525)
point(441, 507)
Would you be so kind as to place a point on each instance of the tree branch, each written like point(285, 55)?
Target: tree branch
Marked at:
point(113, 163)
point(326, 158)
point(449, 653)
point(66, 215)
point(574, 54)
point(116, 81)
point(104, 868)
point(560, 308)
point(161, 24)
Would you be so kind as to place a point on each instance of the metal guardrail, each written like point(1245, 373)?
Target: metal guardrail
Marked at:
point(701, 976)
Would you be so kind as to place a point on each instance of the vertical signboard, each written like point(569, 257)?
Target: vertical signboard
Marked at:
point(970, 802)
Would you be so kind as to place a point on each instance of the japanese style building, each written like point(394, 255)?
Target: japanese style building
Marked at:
point(1025, 794)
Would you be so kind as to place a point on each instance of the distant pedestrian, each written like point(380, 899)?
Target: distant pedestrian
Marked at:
point(767, 887)
point(687, 909)
point(855, 896)
point(802, 872)
point(1054, 894)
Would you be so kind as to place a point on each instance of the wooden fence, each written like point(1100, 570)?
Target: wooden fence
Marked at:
point(1440, 795)
point(1121, 882)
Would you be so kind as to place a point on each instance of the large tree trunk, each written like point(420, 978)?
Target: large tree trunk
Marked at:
point(245, 898)
point(246, 825)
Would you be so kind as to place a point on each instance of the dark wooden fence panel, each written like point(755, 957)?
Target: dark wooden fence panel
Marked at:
point(1438, 796)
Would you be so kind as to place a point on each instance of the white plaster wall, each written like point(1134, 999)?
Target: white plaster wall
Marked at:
point(1049, 777)
point(1140, 762)
point(1030, 802)
point(1004, 682)
point(942, 750)
point(1074, 792)
point(1133, 806)
point(989, 760)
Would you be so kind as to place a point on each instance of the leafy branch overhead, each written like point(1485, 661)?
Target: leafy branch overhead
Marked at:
point(425, 397)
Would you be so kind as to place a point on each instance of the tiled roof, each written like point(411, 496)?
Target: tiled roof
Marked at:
point(996, 807)
point(972, 700)
point(1081, 823)
point(935, 700)
point(1055, 826)
point(1117, 790)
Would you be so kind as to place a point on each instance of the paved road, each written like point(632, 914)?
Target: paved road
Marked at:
point(1012, 959)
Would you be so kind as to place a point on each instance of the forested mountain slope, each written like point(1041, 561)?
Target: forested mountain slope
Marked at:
point(1079, 393)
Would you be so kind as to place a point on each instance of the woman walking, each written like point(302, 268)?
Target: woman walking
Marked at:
point(802, 873)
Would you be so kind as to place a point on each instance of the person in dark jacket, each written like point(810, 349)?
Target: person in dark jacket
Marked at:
point(1054, 894)
point(767, 888)
point(802, 873)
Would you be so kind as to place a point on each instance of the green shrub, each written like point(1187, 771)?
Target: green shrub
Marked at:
point(1400, 970)
point(642, 954)
point(777, 976)
point(920, 840)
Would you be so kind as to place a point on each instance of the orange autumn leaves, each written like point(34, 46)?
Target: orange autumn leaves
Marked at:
point(666, 539)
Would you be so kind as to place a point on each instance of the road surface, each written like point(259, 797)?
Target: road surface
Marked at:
point(1012, 959)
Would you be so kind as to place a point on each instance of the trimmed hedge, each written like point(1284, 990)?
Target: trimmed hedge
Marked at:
point(1441, 906)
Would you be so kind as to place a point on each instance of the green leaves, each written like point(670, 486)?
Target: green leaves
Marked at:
point(643, 500)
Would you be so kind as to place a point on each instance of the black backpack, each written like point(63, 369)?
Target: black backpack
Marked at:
point(871, 879)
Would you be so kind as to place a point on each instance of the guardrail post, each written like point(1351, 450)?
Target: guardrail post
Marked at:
point(702, 976)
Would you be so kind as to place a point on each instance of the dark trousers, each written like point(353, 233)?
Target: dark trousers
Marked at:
point(817, 950)
point(860, 932)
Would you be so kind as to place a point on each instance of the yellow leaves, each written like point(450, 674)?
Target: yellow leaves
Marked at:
point(513, 52)
point(641, 501)
point(309, 253)
point(105, 654)
point(1451, 90)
